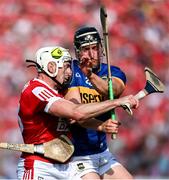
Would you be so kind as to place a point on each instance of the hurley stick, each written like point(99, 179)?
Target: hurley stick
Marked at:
point(153, 85)
point(59, 149)
point(103, 18)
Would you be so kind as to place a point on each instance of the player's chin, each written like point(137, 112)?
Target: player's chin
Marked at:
point(95, 65)
point(67, 80)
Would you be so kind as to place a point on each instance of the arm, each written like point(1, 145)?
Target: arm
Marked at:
point(73, 95)
point(102, 86)
point(107, 126)
point(80, 112)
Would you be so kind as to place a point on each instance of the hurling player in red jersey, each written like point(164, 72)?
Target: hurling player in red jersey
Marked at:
point(41, 108)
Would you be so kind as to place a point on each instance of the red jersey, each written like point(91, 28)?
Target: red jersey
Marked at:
point(36, 124)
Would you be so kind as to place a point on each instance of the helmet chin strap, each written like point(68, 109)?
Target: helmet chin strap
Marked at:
point(35, 64)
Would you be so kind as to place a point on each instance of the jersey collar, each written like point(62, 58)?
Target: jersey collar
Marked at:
point(43, 82)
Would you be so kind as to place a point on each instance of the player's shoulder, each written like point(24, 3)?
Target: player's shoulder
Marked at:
point(28, 86)
point(104, 67)
point(38, 93)
point(35, 86)
point(115, 71)
point(32, 84)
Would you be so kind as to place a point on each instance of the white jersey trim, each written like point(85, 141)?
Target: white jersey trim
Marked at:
point(45, 95)
point(51, 101)
point(42, 93)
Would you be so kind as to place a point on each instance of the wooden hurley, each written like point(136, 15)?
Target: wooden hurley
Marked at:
point(103, 19)
point(153, 85)
point(59, 149)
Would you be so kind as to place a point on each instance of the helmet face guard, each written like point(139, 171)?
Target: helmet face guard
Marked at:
point(55, 54)
point(86, 36)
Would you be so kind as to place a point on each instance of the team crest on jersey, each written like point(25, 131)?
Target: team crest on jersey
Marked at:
point(80, 166)
point(40, 178)
point(78, 75)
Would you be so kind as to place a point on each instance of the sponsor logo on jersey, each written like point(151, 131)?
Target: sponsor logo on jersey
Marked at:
point(62, 125)
point(90, 95)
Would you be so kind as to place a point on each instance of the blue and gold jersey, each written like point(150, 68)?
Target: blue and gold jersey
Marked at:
point(88, 141)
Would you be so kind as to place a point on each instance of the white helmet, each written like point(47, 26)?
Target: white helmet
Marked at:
point(55, 54)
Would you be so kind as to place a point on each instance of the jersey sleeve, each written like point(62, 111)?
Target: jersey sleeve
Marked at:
point(43, 98)
point(118, 73)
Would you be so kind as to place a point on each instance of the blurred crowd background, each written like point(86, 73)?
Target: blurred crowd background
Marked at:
point(138, 37)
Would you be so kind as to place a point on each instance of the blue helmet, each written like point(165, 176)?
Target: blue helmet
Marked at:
point(85, 36)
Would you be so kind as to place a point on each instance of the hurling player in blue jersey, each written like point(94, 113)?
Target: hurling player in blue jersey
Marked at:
point(92, 159)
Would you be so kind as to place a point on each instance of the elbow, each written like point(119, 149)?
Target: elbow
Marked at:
point(118, 87)
point(118, 91)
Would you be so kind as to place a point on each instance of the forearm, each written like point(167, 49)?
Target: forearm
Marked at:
point(87, 110)
point(92, 124)
point(95, 109)
point(107, 126)
point(81, 112)
point(101, 85)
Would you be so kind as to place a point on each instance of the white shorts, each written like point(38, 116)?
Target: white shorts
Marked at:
point(99, 163)
point(42, 170)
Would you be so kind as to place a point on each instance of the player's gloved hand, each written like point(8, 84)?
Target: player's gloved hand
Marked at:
point(109, 126)
point(86, 66)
